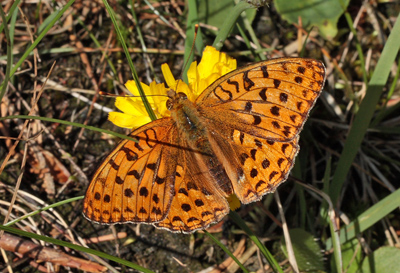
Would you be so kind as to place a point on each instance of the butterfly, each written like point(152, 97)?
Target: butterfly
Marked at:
point(239, 137)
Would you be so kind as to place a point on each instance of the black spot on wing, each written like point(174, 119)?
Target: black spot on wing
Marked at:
point(183, 191)
point(253, 173)
point(247, 83)
point(241, 137)
point(284, 147)
point(113, 164)
point(186, 207)
point(276, 124)
point(275, 110)
point(199, 202)
point(159, 180)
point(259, 184)
point(283, 97)
point(257, 120)
point(234, 83)
point(229, 93)
point(265, 164)
point(248, 106)
point(301, 69)
point(243, 158)
point(135, 174)
point(264, 71)
point(156, 211)
point(263, 94)
point(143, 191)
point(119, 180)
point(253, 154)
point(298, 80)
point(128, 193)
point(130, 155)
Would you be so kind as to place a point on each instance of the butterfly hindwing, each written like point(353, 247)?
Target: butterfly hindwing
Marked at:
point(198, 201)
point(135, 182)
point(260, 165)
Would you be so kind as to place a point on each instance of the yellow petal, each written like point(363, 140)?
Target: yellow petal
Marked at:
point(233, 201)
point(192, 73)
point(181, 86)
point(212, 66)
point(131, 86)
point(159, 99)
point(169, 78)
point(131, 106)
point(158, 89)
point(127, 121)
point(211, 58)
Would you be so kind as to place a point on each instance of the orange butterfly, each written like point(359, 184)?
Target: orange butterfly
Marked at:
point(239, 137)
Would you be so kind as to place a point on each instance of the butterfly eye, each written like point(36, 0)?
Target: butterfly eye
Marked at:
point(181, 96)
point(169, 104)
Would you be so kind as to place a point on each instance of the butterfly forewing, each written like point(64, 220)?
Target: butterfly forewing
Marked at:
point(135, 182)
point(268, 99)
point(256, 114)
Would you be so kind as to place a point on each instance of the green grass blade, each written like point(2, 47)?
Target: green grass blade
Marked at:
point(92, 128)
point(386, 111)
point(192, 20)
point(63, 202)
point(366, 111)
point(253, 36)
point(10, 13)
point(128, 58)
point(9, 55)
point(357, 43)
point(248, 45)
point(337, 253)
point(229, 23)
point(141, 39)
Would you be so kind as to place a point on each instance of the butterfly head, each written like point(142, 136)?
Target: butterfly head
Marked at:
point(175, 98)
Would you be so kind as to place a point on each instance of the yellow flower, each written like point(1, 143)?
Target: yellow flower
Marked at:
point(234, 202)
point(212, 66)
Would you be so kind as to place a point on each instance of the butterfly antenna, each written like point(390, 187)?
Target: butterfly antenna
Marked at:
point(106, 94)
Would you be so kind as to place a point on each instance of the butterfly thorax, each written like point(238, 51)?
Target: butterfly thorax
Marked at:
point(185, 114)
